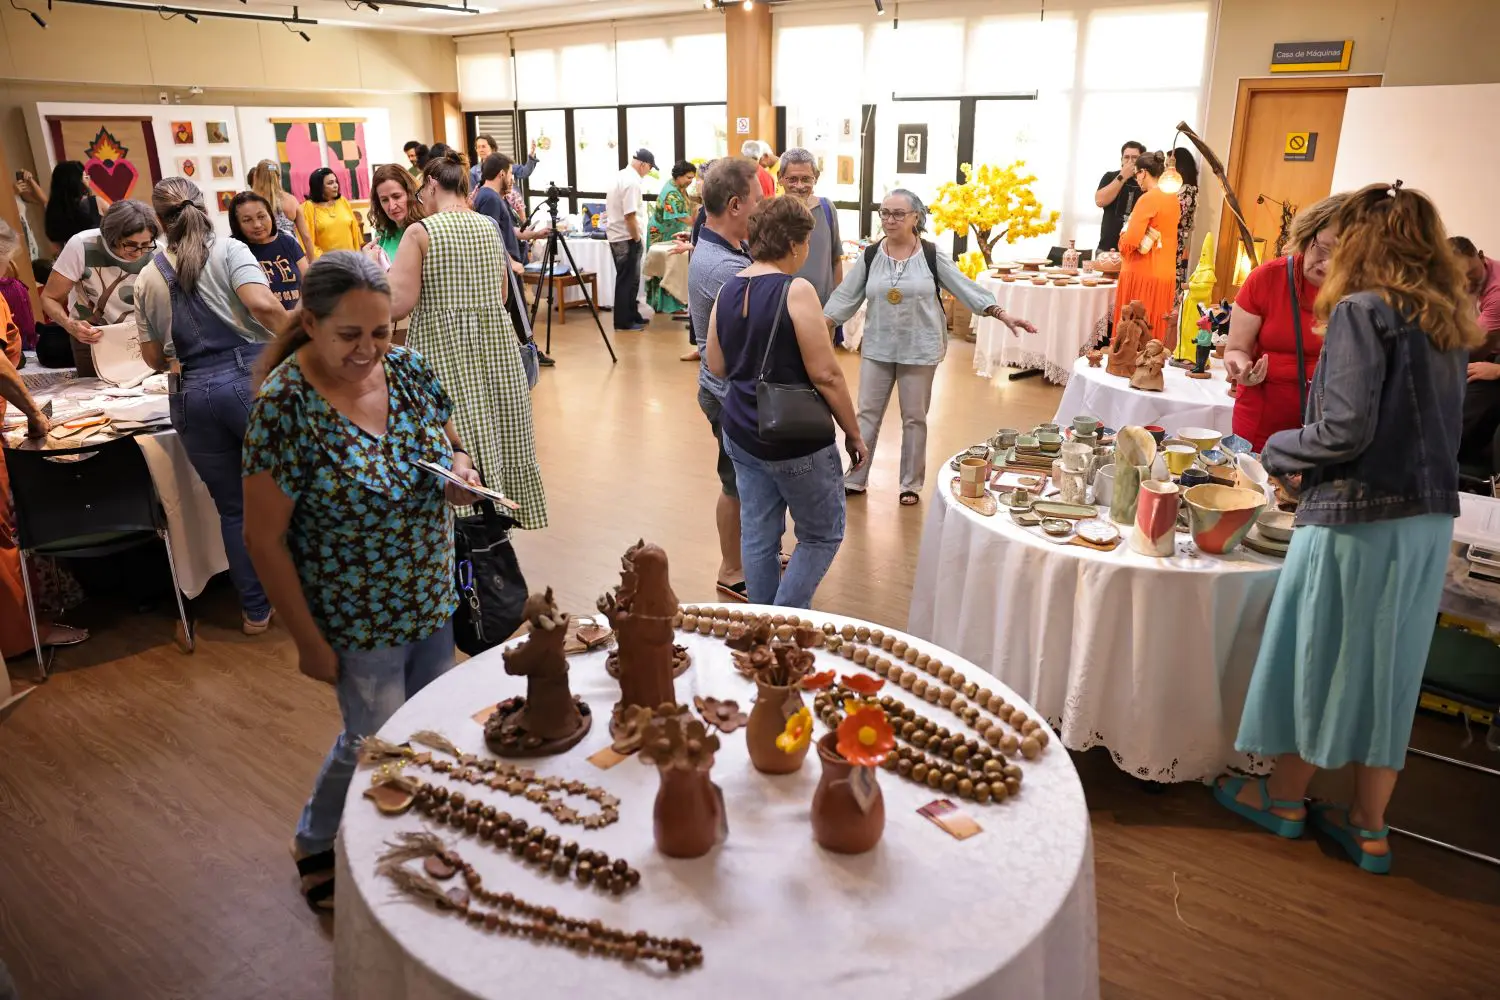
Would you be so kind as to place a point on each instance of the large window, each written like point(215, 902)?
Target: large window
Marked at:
point(705, 132)
point(652, 128)
point(596, 148)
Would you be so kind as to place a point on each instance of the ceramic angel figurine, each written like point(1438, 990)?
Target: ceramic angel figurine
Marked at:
point(1130, 337)
point(1148, 366)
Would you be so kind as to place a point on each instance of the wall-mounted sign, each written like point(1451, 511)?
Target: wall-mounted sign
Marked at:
point(1311, 57)
point(1301, 146)
point(742, 126)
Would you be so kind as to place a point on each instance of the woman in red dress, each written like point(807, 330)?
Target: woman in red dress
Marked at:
point(1262, 326)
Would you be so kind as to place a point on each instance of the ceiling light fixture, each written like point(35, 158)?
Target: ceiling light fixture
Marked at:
point(879, 7)
point(295, 31)
point(34, 15)
point(199, 12)
point(749, 4)
point(422, 5)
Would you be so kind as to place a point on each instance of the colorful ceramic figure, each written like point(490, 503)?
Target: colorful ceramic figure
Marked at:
point(1200, 290)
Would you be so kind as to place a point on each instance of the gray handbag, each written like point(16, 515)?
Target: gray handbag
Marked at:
point(788, 413)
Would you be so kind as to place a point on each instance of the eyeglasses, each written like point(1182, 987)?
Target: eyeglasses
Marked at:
point(128, 246)
point(1320, 249)
point(893, 214)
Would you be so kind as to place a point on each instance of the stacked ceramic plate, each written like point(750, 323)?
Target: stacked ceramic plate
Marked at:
point(1272, 533)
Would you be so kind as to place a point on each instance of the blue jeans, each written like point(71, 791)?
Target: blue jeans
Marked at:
point(209, 413)
point(628, 255)
point(812, 489)
point(372, 684)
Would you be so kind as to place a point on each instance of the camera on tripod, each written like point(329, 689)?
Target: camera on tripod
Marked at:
point(554, 193)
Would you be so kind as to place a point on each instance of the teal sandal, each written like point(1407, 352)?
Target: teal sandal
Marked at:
point(1348, 837)
point(1226, 792)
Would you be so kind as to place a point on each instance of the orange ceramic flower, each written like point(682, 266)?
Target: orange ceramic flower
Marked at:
point(798, 732)
point(862, 684)
point(864, 737)
point(817, 682)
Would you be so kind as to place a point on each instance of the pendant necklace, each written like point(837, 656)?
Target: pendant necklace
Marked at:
point(898, 268)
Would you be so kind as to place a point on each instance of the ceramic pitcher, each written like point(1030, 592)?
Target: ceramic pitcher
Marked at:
point(1127, 490)
point(1156, 519)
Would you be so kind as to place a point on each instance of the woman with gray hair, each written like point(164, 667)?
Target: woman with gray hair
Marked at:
point(94, 276)
point(900, 281)
point(353, 538)
point(205, 304)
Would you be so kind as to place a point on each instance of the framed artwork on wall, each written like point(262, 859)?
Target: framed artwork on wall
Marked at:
point(118, 154)
point(845, 170)
point(222, 167)
point(182, 133)
point(216, 132)
point(187, 166)
point(911, 153)
point(224, 198)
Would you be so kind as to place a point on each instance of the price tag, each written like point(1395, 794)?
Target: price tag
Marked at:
point(862, 784)
point(606, 758)
point(951, 818)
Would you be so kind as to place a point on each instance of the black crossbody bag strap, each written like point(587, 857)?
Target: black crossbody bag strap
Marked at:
point(1291, 284)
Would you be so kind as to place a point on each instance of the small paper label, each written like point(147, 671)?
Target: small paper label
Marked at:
point(723, 833)
point(792, 704)
point(606, 758)
point(951, 818)
point(483, 715)
point(862, 784)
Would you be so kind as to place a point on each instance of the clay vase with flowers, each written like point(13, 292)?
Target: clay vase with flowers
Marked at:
point(779, 669)
point(688, 818)
point(848, 809)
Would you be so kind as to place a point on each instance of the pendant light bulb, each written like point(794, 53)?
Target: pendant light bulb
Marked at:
point(749, 4)
point(1171, 180)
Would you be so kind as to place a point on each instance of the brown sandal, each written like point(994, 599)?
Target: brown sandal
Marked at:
point(316, 872)
point(909, 498)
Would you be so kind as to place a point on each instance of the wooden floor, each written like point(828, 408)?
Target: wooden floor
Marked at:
point(147, 799)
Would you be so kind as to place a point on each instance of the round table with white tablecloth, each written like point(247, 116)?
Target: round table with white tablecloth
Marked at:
point(1007, 912)
point(1183, 401)
point(1069, 319)
point(1148, 657)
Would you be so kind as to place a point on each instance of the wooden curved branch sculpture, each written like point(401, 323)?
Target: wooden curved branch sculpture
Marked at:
point(1230, 198)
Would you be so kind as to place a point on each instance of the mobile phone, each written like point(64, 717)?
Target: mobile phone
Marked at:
point(20, 175)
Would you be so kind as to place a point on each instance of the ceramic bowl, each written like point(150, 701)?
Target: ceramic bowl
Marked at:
point(1252, 470)
point(1201, 438)
point(1049, 427)
point(1221, 516)
point(1277, 525)
point(1027, 442)
point(1050, 441)
point(1038, 281)
point(1158, 432)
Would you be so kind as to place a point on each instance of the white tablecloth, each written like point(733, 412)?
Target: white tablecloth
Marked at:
point(1069, 320)
point(1007, 913)
point(591, 255)
point(1148, 657)
point(1183, 402)
point(192, 518)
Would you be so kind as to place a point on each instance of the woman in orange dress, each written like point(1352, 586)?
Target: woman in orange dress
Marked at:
point(1148, 269)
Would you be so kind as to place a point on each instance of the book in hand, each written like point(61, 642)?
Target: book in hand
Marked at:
point(448, 475)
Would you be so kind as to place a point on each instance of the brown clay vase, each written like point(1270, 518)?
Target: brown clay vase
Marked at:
point(838, 821)
point(773, 706)
point(689, 813)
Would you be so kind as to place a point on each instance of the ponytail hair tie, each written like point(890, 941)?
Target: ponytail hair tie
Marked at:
point(1394, 188)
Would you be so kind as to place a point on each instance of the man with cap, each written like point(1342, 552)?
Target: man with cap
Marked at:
point(626, 231)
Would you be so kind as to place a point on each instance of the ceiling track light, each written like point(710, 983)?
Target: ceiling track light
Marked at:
point(33, 14)
point(879, 7)
point(195, 12)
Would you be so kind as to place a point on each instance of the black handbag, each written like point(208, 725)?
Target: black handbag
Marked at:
point(788, 412)
point(491, 587)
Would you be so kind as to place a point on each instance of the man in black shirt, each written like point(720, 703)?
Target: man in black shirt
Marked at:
point(1117, 193)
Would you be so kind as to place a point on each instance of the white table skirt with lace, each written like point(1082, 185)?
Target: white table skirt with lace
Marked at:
point(1148, 657)
point(1069, 320)
point(1009, 912)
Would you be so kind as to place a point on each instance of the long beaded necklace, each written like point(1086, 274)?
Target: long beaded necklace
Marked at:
point(508, 914)
point(504, 777)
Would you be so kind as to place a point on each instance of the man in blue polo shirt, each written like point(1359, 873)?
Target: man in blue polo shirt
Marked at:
point(730, 192)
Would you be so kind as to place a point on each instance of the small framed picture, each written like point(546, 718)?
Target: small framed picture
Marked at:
point(182, 133)
point(846, 170)
point(223, 167)
point(216, 132)
point(225, 197)
point(187, 166)
point(911, 154)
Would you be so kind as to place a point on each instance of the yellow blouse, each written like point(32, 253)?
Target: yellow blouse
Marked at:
point(332, 226)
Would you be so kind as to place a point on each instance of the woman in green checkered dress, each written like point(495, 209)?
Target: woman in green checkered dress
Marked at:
point(449, 275)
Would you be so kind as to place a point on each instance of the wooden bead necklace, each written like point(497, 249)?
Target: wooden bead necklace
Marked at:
point(499, 775)
point(508, 914)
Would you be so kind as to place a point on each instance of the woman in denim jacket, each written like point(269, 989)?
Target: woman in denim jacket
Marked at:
point(1346, 641)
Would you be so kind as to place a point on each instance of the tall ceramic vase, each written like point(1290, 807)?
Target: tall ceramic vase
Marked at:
point(848, 811)
point(1156, 519)
point(773, 706)
point(1127, 490)
point(688, 819)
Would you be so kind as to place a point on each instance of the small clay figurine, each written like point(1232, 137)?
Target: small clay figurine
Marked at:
point(550, 719)
point(1095, 357)
point(1130, 337)
point(1148, 366)
point(1203, 341)
point(640, 610)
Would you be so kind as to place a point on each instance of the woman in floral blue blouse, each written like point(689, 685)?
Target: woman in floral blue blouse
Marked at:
point(351, 539)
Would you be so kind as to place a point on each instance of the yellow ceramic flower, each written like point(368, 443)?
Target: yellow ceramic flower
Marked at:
point(798, 732)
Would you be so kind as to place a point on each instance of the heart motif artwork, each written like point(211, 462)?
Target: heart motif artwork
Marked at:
point(225, 198)
point(108, 170)
point(118, 154)
point(223, 167)
point(187, 167)
point(182, 133)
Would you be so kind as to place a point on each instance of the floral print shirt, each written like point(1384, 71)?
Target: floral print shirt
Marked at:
point(371, 533)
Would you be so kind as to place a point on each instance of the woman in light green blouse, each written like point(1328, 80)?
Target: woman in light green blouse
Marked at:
point(899, 280)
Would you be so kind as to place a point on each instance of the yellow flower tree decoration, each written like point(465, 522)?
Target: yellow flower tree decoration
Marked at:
point(993, 203)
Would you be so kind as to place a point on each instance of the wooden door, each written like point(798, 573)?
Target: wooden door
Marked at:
point(1266, 114)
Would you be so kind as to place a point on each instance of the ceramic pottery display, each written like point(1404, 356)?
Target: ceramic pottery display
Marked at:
point(774, 708)
point(1004, 439)
point(688, 818)
point(1070, 257)
point(1072, 486)
point(1086, 425)
point(1201, 438)
point(1127, 492)
point(1221, 516)
point(973, 476)
point(848, 809)
point(1130, 337)
point(1156, 519)
point(1180, 458)
point(1148, 365)
point(1277, 525)
point(550, 719)
point(641, 610)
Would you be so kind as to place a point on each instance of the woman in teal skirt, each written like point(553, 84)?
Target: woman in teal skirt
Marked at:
point(1376, 470)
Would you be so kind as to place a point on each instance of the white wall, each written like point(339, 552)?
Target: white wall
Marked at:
point(1457, 170)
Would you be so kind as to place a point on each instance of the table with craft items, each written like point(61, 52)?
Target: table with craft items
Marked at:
point(1009, 911)
point(1149, 657)
point(590, 255)
point(192, 518)
point(1183, 402)
point(36, 377)
point(1069, 319)
point(671, 268)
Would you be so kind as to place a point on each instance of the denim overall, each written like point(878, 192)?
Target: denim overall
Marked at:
point(209, 412)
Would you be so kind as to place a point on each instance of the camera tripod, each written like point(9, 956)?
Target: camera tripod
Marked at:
point(549, 277)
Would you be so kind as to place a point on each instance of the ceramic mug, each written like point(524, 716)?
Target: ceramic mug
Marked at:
point(1005, 438)
point(1180, 458)
point(1072, 485)
point(1104, 485)
point(1041, 429)
point(1077, 457)
point(973, 474)
point(1158, 432)
point(1156, 519)
point(1086, 425)
point(1194, 477)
